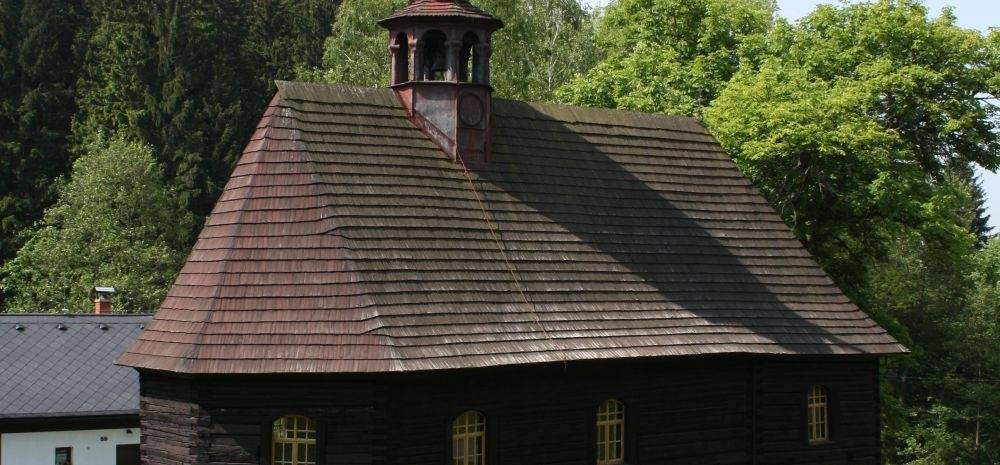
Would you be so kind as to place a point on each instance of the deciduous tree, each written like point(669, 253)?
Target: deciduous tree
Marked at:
point(670, 56)
point(116, 222)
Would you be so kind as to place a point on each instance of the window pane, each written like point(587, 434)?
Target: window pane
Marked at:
point(817, 414)
point(469, 439)
point(610, 432)
point(293, 441)
point(64, 456)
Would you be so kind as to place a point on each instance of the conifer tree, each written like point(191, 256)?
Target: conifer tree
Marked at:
point(191, 78)
point(38, 40)
point(285, 37)
point(981, 223)
point(117, 73)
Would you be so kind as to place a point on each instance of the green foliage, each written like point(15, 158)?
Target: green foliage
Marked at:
point(993, 40)
point(286, 36)
point(851, 130)
point(190, 78)
point(946, 390)
point(116, 82)
point(356, 51)
point(928, 73)
point(116, 223)
point(37, 65)
point(934, 442)
point(861, 123)
point(651, 79)
point(826, 166)
point(670, 56)
point(981, 219)
point(543, 43)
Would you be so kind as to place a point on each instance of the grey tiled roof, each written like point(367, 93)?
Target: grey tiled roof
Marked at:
point(47, 371)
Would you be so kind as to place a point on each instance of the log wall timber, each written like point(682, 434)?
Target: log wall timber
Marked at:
point(681, 411)
point(172, 423)
point(854, 413)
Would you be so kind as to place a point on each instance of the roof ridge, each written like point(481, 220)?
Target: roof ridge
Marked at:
point(323, 92)
point(568, 113)
point(578, 114)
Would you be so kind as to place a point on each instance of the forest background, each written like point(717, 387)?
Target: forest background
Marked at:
point(863, 124)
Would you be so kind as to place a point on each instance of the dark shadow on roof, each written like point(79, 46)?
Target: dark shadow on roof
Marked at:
point(581, 186)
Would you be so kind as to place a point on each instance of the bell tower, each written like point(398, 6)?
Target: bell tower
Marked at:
point(440, 71)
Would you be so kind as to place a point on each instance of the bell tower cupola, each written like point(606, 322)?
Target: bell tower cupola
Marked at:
point(440, 69)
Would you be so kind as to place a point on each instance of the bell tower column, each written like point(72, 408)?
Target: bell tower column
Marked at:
point(452, 48)
point(482, 65)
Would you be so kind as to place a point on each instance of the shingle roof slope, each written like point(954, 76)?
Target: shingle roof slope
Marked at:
point(46, 371)
point(441, 8)
point(346, 241)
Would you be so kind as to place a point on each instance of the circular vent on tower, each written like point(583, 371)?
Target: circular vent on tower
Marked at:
point(470, 110)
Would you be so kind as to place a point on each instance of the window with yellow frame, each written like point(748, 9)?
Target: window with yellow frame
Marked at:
point(611, 433)
point(293, 441)
point(468, 439)
point(818, 410)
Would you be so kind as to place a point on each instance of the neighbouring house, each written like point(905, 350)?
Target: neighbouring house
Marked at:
point(63, 401)
point(422, 274)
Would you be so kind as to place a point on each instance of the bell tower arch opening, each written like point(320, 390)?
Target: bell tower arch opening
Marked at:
point(400, 51)
point(468, 68)
point(434, 53)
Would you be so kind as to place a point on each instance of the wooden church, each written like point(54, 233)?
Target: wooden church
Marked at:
point(424, 275)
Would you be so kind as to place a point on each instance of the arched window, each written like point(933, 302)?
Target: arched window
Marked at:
point(468, 439)
point(467, 60)
point(293, 441)
point(401, 62)
point(611, 433)
point(818, 408)
point(435, 56)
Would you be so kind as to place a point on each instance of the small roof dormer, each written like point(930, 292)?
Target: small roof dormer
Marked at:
point(439, 53)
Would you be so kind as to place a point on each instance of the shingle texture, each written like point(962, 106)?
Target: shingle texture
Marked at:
point(346, 241)
point(441, 8)
point(46, 371)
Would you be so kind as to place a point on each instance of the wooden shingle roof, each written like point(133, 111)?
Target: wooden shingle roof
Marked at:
point(346, 241)
point(462, 9)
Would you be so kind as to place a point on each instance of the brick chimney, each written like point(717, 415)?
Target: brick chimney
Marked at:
point(101, 295)
point(440, 69)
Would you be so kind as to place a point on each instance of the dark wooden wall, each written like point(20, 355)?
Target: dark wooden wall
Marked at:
point(174, 428)
point(687, 411)
point(780, 423)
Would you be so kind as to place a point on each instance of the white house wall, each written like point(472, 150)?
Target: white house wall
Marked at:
point(39, 448)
